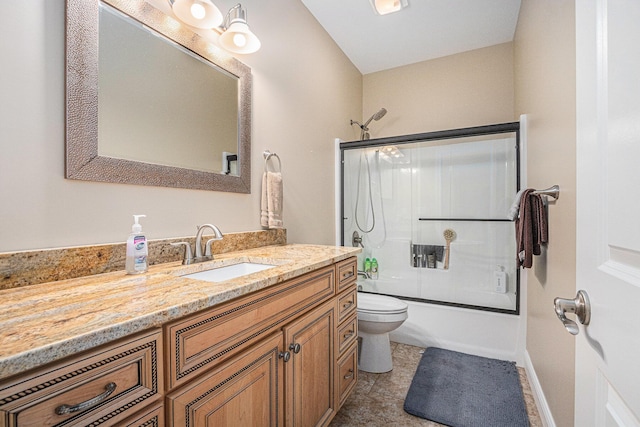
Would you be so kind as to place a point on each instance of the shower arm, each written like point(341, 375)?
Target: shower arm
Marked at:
point(361, 126)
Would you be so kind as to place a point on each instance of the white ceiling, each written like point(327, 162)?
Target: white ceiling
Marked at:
point(426, 29)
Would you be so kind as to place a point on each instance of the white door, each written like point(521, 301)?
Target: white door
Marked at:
point(608, 211)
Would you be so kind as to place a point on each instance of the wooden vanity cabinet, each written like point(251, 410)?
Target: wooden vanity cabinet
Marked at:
point(281, 356)
point(270, 358)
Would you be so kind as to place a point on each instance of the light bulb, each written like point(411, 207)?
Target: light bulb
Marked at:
point(198, 11)
point(384, 7)
point(239, 39)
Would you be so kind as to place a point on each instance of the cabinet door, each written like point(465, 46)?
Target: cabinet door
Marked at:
point(309, 374)
point(245, 391)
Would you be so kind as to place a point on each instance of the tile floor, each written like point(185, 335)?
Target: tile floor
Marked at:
point(378, 399)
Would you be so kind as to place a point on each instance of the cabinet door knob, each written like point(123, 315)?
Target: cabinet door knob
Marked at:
point(349, 375)
point(69, 409)
point(285, 355)
point(295, 348)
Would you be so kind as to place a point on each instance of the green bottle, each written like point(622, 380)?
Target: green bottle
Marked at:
point(367, 266)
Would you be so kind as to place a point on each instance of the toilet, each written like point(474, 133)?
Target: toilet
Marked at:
point(377, 316)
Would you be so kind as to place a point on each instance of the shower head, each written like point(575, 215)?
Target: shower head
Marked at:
point(365, 130)
point(380, 114)
point(377, 116)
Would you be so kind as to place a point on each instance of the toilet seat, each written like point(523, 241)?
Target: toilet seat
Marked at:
point(380, 304)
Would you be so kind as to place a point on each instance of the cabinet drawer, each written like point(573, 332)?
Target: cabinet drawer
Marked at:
point(195, 344)
point(347, 332)
point(347, 373)
point(347, 302)
point(347, 272)
point(100, 388)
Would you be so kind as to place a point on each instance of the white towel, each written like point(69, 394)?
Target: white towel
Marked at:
point(515, 207)
point(271, 201)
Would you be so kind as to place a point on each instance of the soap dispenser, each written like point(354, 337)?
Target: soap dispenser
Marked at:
point(137, 250)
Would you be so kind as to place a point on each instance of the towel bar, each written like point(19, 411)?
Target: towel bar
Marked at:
point(553, 191)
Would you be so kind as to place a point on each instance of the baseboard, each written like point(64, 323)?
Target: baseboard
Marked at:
point(453, 346)
point(538, 395)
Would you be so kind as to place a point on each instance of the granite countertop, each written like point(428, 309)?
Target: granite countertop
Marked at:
point(43, 323)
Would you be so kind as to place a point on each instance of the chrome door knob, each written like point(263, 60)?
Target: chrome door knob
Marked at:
point(580, 306)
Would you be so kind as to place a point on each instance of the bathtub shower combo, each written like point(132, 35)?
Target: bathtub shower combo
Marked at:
point(433, 210)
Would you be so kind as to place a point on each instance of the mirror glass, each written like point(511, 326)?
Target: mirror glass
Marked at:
point(154, 96)
point(150, 102)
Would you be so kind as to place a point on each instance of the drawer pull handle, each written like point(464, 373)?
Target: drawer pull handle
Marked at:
point(295, 348)
point(347, 305)
point(347, 335)
point(69, 409)
point(349, 375)
point(347, 274)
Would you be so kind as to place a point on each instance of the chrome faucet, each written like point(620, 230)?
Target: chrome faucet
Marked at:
point(199, 257)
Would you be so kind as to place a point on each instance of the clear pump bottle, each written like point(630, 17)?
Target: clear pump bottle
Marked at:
point(137, 251)
point(374, 269)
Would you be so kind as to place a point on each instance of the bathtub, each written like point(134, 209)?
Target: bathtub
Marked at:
point(482, 333)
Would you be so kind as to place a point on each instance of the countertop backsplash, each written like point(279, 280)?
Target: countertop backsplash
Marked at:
point(49, 265)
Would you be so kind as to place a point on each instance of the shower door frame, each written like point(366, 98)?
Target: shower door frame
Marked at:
point(495, 129)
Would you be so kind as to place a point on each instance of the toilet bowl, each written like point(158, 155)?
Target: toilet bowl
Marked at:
point(377, 316)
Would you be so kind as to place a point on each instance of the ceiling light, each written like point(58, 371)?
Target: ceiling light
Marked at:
point(237, 37)
point(383, 7)
point(197, 13)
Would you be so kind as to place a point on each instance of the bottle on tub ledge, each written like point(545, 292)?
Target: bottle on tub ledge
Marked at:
point(367, 267)
point(500, 279)
point(374, 269)
point(137, 251)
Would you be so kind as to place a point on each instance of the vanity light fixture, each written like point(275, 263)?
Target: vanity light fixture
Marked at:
point(197, 13)
point(235, 35)
point(383, 7)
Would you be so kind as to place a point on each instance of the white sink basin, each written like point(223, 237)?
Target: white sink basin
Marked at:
point(228, 272)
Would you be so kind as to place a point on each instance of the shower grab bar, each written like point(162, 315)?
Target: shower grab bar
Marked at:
point(268, 155)
point(553, 191)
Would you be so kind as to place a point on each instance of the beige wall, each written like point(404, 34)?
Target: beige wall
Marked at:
point(305, 92)
point(468, 89)
point(545, 90)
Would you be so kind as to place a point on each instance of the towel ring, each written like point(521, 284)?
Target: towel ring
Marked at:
point(268, 155)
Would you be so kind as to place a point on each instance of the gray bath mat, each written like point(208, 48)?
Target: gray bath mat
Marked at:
point(461, 390)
